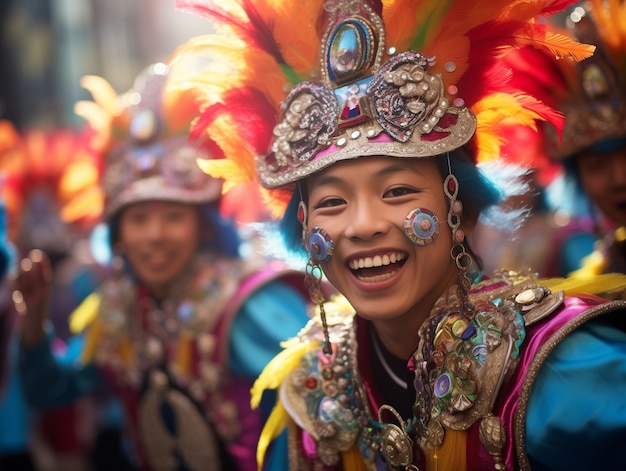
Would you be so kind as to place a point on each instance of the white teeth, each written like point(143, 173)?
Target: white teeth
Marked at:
point(377, 261)
point(379, 278)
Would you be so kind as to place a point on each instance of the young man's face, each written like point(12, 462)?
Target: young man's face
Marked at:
point(159, 240)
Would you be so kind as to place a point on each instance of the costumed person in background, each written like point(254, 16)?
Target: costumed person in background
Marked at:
point(14, 417)
point(592, 146)
point(532, 244)
point(182, 325)
point(47, 208)
point(425, 364)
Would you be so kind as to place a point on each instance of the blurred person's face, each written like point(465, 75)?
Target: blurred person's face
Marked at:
point(159, 240)
point(603, 177)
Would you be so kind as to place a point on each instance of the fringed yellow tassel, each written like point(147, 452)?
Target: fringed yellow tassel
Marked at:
point(84, 314)
point(183, 354)
point(127, 352)
point(587, 283)
point(272, 377)
point(91, 340)
point(278, 368)
point(274, 425)
point(451, 455)
point(352, 460)
point(592, 265)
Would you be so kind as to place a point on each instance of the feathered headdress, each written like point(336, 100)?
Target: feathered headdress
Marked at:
point(592, 93)
point(60, 162)
point(142, 136)
point(319, 81)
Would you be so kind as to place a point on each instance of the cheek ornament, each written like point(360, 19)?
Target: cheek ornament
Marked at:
point(421, 225)
point(320, 245)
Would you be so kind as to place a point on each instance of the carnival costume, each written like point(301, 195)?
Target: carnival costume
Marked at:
point(592, 96)
point(48, 184)
point(182, 367)
point(407, 79)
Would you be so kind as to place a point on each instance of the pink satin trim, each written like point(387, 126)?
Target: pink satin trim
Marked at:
point(478, 458)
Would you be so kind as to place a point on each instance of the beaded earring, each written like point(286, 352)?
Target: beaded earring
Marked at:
point(458, 253)
point(319, 246)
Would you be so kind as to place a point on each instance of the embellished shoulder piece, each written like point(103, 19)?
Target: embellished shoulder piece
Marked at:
point(122, 322)
point(319, 393)
point(467, 348)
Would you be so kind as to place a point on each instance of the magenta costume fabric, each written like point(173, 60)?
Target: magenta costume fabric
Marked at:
point(512, 404)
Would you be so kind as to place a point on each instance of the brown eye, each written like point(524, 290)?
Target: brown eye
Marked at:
point(399, 191)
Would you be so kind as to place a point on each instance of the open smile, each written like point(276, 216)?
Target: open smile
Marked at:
point(378, 268)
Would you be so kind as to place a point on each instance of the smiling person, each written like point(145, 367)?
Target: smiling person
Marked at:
point(592, 147)
point(182, 324)
point(424, 363)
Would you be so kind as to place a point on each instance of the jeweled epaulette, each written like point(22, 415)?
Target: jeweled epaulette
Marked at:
point(465, 355)
point(320, 393)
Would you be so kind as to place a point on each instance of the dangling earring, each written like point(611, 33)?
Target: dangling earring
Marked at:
point(319, 247)
point(461, 257)
point(421, 225)
point(313, 282)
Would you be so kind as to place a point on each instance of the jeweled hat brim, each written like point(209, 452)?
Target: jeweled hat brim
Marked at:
point(166, 170)
point(587, 123)
point(157, 189)
point(453, 130)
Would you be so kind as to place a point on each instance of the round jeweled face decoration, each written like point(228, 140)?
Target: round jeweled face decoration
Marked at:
point(421, 226)
point(320, 245)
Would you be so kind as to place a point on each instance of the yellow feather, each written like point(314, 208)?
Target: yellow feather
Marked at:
point(451, 455)
point(274, 425)
point(102, 92)
point(91, 340)
point(299, 40)
point(88, 203)
point(278, 368)
point(563, 47)
point(352, 460)
point(84, 314)
point(582, 282)
point(494, 111)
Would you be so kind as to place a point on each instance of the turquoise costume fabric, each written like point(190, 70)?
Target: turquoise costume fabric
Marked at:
point(592, 362)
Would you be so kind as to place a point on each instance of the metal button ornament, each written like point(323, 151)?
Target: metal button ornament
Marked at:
point(320, 245)
point(421, 226)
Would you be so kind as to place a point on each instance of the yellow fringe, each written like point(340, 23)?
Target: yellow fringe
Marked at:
point(91, 341)
point(274, 425)
point(451, 455)
point(278, 368)
point(84, 314)
point(127, 352)
point(352, 460)
point(183, 354)
point(583, 282)
point(272, 377)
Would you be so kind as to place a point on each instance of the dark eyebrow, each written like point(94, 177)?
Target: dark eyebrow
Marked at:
point(390, 169)
point(398, 167)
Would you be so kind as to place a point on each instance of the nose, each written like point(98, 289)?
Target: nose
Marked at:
point(155, 228)
point(367, 220)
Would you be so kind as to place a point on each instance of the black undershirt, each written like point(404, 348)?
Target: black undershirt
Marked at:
point(393, 394)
